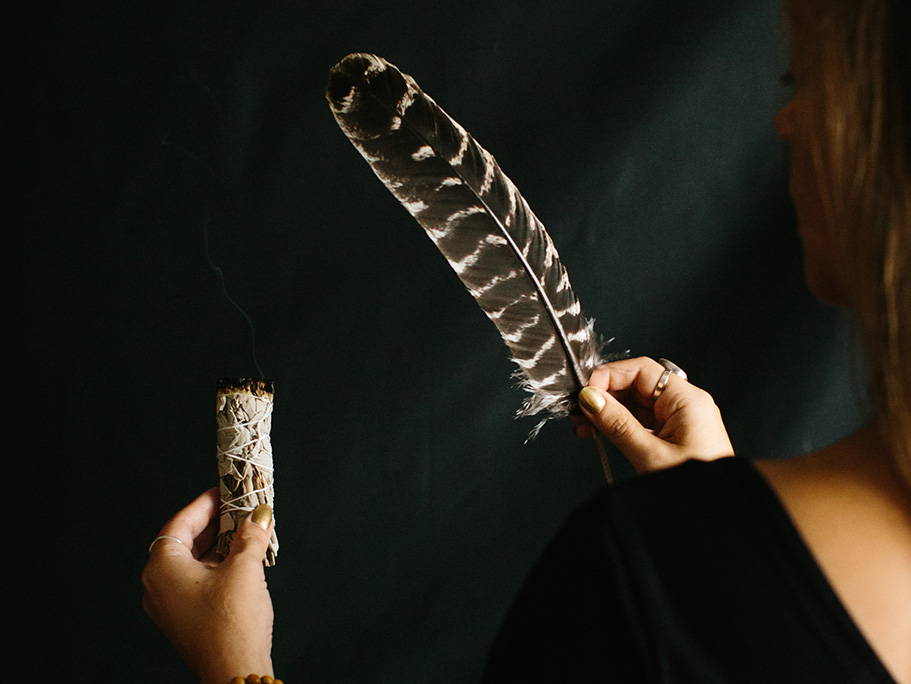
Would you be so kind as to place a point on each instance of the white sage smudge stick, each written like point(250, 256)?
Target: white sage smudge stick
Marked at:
point(243, 415)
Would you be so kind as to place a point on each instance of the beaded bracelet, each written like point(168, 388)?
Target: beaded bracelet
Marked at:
point(255, 679)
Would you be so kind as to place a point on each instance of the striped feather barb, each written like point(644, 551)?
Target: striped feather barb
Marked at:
point(474, 214)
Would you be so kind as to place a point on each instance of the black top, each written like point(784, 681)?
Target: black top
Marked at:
point(691, 574)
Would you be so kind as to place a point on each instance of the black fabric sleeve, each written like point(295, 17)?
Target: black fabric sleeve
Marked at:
point(566, 624)
point(690, 575)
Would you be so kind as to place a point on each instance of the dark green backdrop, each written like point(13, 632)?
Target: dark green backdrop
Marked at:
point(408, 508)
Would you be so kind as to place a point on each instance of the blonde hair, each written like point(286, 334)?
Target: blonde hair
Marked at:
point(856, 53)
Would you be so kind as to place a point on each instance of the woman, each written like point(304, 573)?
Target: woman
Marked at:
point(779, 570)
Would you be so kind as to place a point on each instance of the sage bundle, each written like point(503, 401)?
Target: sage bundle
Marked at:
point(243, 416)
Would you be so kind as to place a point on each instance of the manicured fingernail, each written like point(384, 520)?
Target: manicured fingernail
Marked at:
point(262, 516)
point(591, 400)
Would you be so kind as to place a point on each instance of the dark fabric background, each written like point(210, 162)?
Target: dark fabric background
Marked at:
point(408, 508)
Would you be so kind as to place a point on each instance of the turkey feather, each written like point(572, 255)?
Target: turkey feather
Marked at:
point(477, 218)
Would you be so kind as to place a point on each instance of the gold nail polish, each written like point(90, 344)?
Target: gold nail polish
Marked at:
point(262, 516)
point(591, 400)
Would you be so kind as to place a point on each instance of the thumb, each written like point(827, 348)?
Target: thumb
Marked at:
point(251, 538)
point(614, 421)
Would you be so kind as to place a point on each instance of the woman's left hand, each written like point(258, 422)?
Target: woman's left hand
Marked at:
point(217, 612)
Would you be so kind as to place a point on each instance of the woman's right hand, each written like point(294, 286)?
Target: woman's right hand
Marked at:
point(682, 423)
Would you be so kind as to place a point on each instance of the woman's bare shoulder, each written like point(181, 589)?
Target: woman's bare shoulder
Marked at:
point(856, 521)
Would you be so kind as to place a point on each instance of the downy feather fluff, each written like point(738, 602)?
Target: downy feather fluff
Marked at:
point(476, 217)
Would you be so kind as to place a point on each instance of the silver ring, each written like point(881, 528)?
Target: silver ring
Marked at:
point(164, 536)
point(673, 368)
point(670, 368)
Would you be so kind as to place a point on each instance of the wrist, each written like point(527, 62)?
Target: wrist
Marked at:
point(258, 678)
point(223, 672)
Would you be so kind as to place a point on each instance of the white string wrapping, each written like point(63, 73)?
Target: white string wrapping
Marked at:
point(243, 415)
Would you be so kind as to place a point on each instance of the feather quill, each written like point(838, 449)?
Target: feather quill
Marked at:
point(477, 218)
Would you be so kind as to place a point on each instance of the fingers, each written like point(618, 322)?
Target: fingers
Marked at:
point(206, 539)
point(634, 380)
point(653, 433)
point(619, 425)
point(251, 538)
point(584, 430)
point(171, 561)
point(188, 524)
